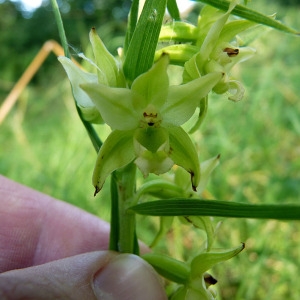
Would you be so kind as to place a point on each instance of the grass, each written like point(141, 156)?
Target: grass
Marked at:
point(43, 145)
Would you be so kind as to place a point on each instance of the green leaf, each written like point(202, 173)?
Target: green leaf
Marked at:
point(199, 207)
point(173, 9)
point(168, 267)
point(132, 20)
point(250, 14)
point(140, 54)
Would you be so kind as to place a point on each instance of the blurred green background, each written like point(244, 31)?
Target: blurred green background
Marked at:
point(44, 145)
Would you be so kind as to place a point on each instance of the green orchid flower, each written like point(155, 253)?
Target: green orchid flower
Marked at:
point(146, 123)
point(219, 49)
point(211, 46)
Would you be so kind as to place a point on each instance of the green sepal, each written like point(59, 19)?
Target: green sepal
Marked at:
point(184, 154)
point(110, 158)
point(152, 86)
point(77, 77)
point(114, 104)
point(205, 261)
point(185, 98)
point(168, 267)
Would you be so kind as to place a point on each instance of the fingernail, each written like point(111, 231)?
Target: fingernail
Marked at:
point(127, 276)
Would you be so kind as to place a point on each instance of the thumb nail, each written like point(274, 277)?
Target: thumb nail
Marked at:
point(127, 276)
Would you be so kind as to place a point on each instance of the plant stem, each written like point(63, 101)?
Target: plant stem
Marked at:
point(126, 180)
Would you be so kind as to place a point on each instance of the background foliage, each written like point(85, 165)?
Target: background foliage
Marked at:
point(43, 144)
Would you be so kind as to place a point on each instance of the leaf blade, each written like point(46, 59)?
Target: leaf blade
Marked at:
point(218, 208)
point(250, 14)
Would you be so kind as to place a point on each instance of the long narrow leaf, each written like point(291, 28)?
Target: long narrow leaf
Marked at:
point(132, 20)
point(140, 55)
point(198, 207)
point(250, 14)
point(173, 9)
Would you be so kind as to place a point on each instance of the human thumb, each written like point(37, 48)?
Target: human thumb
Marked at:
point(104, 275)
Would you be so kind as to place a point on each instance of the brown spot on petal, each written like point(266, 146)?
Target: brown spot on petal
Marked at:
point(231, 52)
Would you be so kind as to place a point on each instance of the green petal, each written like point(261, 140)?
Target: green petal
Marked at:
point(152, 86)
point(109, 72)
point(183, 99)
point(183, 153)
point(114, 104)
point(116, 152)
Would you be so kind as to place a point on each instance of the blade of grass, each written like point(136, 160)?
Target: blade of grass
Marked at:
point(198, 207)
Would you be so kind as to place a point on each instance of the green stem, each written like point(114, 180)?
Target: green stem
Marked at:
point(60, 27)
point(97, 143)
point(126, 180)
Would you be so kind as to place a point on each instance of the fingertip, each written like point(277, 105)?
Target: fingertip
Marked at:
point(128, 276)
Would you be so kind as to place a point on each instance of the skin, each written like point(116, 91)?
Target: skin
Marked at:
point(52, 250)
